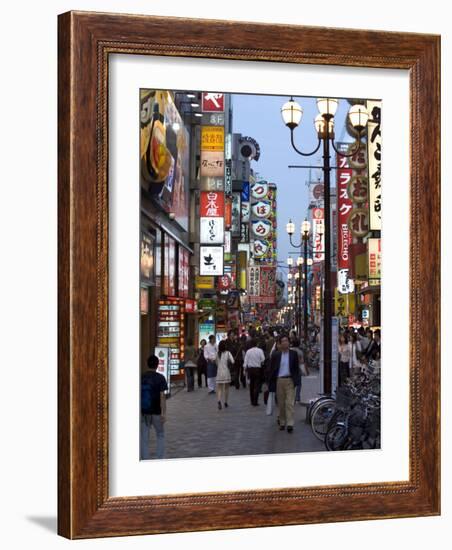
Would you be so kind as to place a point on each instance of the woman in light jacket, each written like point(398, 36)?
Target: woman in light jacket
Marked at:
point(224, 359)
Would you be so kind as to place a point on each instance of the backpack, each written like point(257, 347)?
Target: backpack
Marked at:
point(146, 395)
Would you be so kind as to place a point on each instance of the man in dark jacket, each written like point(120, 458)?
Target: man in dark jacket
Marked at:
point(232, 345)
point(284, 378)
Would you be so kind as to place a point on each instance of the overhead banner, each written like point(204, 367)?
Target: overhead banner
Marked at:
point(318, 234)
point(211, 260)
point(374, 163)
point(374, 257)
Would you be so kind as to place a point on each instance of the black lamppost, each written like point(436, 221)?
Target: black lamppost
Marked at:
point(291, 113)
point(295, 294)
point(302, 261)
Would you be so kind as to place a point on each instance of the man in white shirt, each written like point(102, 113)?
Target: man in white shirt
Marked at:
point(284, 378)
point(210, 354)
point(253, 365)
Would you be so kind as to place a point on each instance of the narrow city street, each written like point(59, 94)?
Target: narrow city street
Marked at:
point(196, 428)
point(249, 258)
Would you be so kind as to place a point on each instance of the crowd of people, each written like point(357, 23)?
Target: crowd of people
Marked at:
point(356, 348)
point(267, 362)
point(241, 361)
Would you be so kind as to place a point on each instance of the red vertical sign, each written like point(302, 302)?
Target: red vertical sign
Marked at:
point(212, 102)
point(212, 204)
point(344, 207)
point(184, 266)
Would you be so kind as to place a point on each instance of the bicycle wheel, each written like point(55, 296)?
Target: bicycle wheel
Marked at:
point(336, 437)
point(321, 416)
point(314, 404)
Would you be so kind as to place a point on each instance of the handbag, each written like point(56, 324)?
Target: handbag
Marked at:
point(270, 403)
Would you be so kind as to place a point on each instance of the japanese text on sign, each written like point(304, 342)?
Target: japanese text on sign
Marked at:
point(212, 204)
point(374, 153)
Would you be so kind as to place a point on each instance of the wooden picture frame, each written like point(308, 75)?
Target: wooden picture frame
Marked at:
point(86, 40)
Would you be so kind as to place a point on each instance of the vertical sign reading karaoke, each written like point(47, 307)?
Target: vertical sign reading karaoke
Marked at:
point(374, 162)
point(344, 206)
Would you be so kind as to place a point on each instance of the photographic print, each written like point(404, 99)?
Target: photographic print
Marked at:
point(198, 200)
point(263, 330)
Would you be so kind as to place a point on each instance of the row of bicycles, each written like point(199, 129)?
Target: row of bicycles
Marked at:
point(350, 419)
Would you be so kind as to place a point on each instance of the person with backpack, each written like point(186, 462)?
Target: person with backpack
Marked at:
point(153, 409)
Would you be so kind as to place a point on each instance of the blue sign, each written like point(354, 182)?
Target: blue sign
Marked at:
point(246, 191)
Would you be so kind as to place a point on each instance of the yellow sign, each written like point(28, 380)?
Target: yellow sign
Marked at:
point(204, 282)
point(374, 258)
point(212, 138)
point(344, 304)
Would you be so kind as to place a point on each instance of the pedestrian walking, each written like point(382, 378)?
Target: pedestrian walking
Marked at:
point(253, 364)
point(210, 354)
point(295, 346)
point(345, 352)
point(201, 364)
point(284, 378)
point(355, 361)
point(190, 366)
point(240, 358)
point(224, 363)
point(365, 339)
point(153, 409)
point(232, 345)
point(374, 347)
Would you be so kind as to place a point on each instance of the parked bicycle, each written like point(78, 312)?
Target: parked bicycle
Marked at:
point(355, 423)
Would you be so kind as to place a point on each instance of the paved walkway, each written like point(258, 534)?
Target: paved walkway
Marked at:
point(196, 428)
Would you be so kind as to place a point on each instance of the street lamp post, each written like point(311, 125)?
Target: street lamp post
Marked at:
point(303, 261)
point(324, 124)
point(305, 236)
